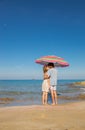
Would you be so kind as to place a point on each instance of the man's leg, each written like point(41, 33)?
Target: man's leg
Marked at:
point(55, 96)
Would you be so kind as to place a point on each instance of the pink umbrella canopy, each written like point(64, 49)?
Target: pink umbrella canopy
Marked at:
point(58, 61)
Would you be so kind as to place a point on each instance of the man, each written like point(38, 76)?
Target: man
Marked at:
point(52, 74)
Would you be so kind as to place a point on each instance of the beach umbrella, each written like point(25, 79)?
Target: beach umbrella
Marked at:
point(58, 61)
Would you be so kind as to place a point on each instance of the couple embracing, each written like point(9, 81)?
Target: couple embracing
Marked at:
point(49, 84)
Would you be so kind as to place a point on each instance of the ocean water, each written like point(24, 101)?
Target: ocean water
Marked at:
point(28, 92)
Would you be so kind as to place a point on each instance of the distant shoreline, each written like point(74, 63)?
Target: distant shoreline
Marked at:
point(42, 79)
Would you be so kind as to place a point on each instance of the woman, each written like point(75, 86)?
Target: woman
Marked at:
point(45, 85)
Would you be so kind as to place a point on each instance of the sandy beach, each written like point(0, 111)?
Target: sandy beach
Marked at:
point(69, 116)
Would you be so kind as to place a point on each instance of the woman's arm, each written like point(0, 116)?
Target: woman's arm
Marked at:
point(46, 76)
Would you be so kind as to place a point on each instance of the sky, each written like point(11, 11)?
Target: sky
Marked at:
point(36, 28)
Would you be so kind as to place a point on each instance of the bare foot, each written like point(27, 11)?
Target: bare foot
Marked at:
point(46, 104)
point(53, 104)
point(43, 104)
point(56, 103)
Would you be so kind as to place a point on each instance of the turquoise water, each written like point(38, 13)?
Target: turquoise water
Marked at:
point(28, 92)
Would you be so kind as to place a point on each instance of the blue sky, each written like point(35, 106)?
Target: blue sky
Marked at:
point(31, 29)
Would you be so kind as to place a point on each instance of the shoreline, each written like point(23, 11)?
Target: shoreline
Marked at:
point(62, 99)
point(44, 106)
point(63, 105)
point(68, 116)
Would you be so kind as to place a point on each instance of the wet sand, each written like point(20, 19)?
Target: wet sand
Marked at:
point(70, 116)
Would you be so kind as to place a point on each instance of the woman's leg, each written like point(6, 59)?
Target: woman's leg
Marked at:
point(46, 97)
point(43, 98)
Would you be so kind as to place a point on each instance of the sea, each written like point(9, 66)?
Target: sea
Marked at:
point(29, 92)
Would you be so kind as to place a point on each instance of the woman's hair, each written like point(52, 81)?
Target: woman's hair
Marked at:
point(45, 69)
